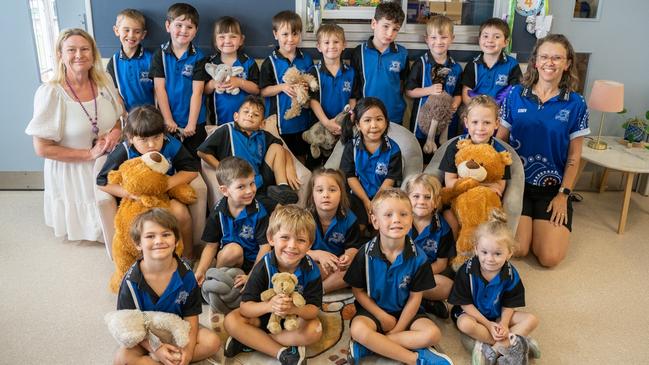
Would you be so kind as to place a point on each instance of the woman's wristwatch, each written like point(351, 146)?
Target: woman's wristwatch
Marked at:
point(565, 191)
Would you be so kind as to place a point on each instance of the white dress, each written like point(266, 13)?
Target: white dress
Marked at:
point(69, 199)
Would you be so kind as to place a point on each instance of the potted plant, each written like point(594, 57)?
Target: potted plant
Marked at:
point(635, 128)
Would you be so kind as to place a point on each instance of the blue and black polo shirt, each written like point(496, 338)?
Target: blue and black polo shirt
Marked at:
point(489, 297)
point(225, 105)
point(436, 240)
point(372, 169)
point(248, 229)
point(230, 140)
point(179, 74)
point(380, 75)
point(131, 77)
point(448, 160)
point(179, 157)
point(181, 297)
point(342, 233)
point(272, 71)
point(335, 90)
point(541, 132)
point(483, 80)
point(420, 76)
point(390, 284)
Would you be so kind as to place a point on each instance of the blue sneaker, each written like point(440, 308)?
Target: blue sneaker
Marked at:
point(429, 356)
point(357, 352)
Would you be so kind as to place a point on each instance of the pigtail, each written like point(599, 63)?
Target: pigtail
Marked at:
point(347, 127)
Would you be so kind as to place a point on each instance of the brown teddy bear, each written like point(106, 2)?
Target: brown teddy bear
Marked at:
point(145, 177)
point(283, 283)
point(319, 137)
point(299, 80)
point(470, 201)
point(436, 113)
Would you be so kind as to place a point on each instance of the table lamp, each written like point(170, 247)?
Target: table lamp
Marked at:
point(606, 97)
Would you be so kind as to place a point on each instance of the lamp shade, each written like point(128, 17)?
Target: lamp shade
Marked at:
point(606, 96)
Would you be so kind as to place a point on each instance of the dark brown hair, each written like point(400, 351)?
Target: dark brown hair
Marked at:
point(186, 11)
point(497, 23)
point(232, 168)
point(390, 10)
point(144, 121)
point(290, 18)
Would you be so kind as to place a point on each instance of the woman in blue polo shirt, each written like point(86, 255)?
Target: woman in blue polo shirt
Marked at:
point(545, 120)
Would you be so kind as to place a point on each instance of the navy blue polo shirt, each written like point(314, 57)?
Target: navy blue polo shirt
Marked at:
point(390, 284)
point(181, 297)
point(229, 140)
point(131, 77)
point(272, 72)
point(489, 297)
point(436, 240)
point(343, 233)
point(225, 105)
point(541, 132)
point(335, 90)
point(420, 76)
point(179, 74)
point(380, 75)
point(483, 80)
point(372, 168)
point(248, 229)
point(309, 282)
point(448, 160)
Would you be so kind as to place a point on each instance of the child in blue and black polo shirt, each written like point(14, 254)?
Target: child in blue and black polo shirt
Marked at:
point(160, 281)
point(381, 65)
point(291, 232)
point(388, 277)
point(236, 228)
point(129, 67)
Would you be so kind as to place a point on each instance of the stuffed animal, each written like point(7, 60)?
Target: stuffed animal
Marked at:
point(320, 138)
point(222, 73)
point(297, 79)
point(219, 291)
point(470, 201)
point(436, 113)
point(283, 283)
point(145, 177)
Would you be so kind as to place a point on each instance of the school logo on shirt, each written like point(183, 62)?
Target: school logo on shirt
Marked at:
point(405, 282)
point(246, 232)
point(188, 70)
point(501, 80)
point(182, 297)
point(337, 237)
point(395, 66)
point(562, 115)
point(451, 81)
point(144, 76)
point(522, 110)
point(381, 169)
point(430, 245)
point(347, 86)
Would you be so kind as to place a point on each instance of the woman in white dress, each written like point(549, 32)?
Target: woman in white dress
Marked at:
point(76, 119)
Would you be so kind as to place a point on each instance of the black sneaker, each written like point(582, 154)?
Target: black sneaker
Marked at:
point(294, 355)
point(435, 307)
point(282, 194)
point(233, 347)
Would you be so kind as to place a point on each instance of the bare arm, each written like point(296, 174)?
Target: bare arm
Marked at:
point(255, 309)
point(457, 100)
point(208, 254)
point(466, 99)
point(503, 133)
point(52, 150)
point(439, 265)
point(408, 313)
point(498, 186)
point(163, 103)
point(450, 178)
point(419, 92)
point(181, 177)
point(506, 317)
point(368, 303)
point(559, 204)
point(358, 190)
point(194, 107)
point(387, 183)
point(307, 312)
point(115, 190)
point(330, 124)
point(471, 310)
point(209, 159)
point(188, 351)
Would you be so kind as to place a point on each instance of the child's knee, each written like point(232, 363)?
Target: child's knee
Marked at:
point(359, 330)
point(533, 321)
point(550, 259)
point(233, 320)
point(209, 340)
point(466, 324)
point(230, 255)
point(313, 331)
point(180, 211)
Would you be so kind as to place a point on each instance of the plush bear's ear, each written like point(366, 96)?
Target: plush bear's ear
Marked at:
point(274, 278)
point(294, 278)
point(506, 158)
point(464, 143)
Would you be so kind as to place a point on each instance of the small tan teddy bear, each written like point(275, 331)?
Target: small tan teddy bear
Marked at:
point(297, 79)
point(283, 283)
point(320, 138)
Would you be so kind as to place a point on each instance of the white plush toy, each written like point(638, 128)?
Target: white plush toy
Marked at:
point(223, 73)
point(129, 327)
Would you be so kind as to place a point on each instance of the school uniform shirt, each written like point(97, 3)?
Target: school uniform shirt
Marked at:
point(309, 282)
point(172, 149)
point(493, 81)
point(181, 297)
point(489, 297)
point(248, 229)
point(272, 71)
point(230, 140)
point(436, 240)
point(179, 74)
point(343, 233)
point(380, 75)
point(448, 160)
point(335, 90)
point(420, 76)
point(372, 169)
point(225, 105)
point(390, 284)
point(131, 77)
point(541, 132)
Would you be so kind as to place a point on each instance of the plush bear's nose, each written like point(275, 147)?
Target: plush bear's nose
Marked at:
point(156, 157)
point(472, 165)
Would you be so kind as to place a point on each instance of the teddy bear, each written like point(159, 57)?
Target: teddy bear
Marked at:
point(436, 113)
point(297, 79)
point(222, 73)
point(470, 201)
point(283, 283)
point(322, 141)
point(146, 178)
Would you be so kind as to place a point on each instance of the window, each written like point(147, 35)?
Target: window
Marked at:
point(46, 29)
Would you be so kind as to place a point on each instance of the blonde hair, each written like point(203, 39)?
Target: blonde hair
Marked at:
point(391, 193)
point(96, 72)
point(484, 101)
point(330, 29)
point(439, 23)
point(428, 181)
point(293, 218)
point(497, 228)
point(131, 14)
point(569, 78)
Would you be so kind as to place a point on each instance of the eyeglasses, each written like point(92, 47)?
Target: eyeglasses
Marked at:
point(545, 58)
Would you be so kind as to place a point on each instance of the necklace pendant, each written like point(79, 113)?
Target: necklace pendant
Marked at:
point(95, 130)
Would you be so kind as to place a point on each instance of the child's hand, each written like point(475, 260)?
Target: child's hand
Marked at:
point(332, 127)
point(436, 89)
point(343, 262)
point(189, 130)
point(185, 356)
point(289, 90)
point(200, 276)
point(368, 207)
point(171, 126)
point(240, 281)
point(497, 331)
point(233, 83)
point(168, 354)
point(328, 261)
point(280, 305)
point(99, 148)
point(291, 176)
point(495, 187)
point(387, 322)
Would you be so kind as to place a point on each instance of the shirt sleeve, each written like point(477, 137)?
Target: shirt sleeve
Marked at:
point(315, 95)
point(256, 284)
point(49, 110)
point(253, 72)
point(448, 161)
point(217, 143)
point(212, 233)
point(194, 304)
point(157, 69)
point(266, 74)
point(353, 239)
point(414, 77)
point(110, 69)
point(347, 164)
point(461, 290)
point(355, 275)
point(355, 63)
point(260, 230)
point(185, 161)
point(505, 109)
point(113, 162)
point(403, 75)
point(468, 76)
point(200, 74)
point(312, 293)
point(579, 125)
point(458, 84)
point(446, 246)
point(515, 75)
point(423, 279)
point(395, 167)
point(514, 295)
point(124, 297)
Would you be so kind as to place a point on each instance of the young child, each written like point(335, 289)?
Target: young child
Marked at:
point(145, 132)
point(371, 161)
point(492, 71)
point(439, 37)
point(236, 228)
point(486, 290)
point(245, 139)
point(432, 234)
point(337, 232)
point(178, 72)
point(228, 40)
point(380, 64)
point(129, 67)
point(287, 30)
point(387, 278)
point(291, 232)
point(160, 281)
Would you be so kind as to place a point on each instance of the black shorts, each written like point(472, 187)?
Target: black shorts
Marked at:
point(356, 205)
point(192, 143)
point(360, 311)
point(296, 144)
point(457, 311)
point(536, 200)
